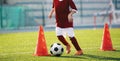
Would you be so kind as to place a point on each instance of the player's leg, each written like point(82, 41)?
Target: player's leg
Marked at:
point(59, 34)
point(76, 45)
point(74, 41)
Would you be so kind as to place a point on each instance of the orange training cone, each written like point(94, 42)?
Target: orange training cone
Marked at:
point(106, 40)
point(41, 48)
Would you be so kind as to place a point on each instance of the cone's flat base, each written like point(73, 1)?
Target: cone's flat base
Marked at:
point(108, 50)
point(42, 55)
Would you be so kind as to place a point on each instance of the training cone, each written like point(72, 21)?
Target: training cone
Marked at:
point(106, 40)
point(41, 48)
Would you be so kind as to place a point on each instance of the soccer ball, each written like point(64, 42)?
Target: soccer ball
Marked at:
point(56, 49)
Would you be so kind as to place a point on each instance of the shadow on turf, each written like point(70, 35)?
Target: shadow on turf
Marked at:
point(78, 57)
point(117, 51)
point(100, 57)
point(88, 56)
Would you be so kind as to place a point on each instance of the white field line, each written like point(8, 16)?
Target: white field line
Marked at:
point(33, 53)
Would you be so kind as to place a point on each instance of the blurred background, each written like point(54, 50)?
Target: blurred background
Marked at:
point(29, 14)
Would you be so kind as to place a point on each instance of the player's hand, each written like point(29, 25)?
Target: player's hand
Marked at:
point(70, 18)
point(49, 16)
point(51, 12)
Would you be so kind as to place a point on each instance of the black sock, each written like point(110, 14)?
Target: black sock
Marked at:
point(75, 43)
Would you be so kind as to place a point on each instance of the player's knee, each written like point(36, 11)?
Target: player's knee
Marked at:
point(71, 37)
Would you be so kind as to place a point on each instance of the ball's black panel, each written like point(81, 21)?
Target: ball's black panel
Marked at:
point(58, 55)
point(58, 44)
point(51, 45)
point(51, 52)
point(62, 50)
point(55, 49)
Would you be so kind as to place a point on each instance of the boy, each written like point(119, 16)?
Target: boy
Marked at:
point(64, 23)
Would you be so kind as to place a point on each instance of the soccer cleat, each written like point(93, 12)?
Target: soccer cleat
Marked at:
point(68, 49)
point(78, 53)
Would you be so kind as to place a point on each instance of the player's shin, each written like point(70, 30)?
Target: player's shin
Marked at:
point(75, 43)
point(63, 40)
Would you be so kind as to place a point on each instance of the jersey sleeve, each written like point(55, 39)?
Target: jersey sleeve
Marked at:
point(72, 5)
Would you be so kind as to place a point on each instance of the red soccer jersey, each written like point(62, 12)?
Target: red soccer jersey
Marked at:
point(62, 9)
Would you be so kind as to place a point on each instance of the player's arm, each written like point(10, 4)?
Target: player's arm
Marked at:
point(51, 12)
point(70, 17)
point(73, 10)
